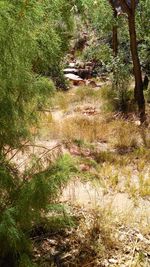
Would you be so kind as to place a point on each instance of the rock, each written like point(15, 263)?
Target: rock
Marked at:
point(75, 151)
point(89, 111)
point(72, 64)
point(113, 261)
point(73, 77)
point(76, 80)
point(70, 70)
point(86, 152)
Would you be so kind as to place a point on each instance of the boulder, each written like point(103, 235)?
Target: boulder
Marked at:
point(75, 79)
point(70, 70)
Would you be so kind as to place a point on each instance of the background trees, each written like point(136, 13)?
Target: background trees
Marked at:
point(130, 8)
point(126, 27)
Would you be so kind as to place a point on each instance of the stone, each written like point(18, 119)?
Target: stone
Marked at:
point(73, 77)
point(72, 64)
point(113, 261)
point(70, 70)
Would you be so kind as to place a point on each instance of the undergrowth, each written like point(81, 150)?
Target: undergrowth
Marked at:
point(23, 205)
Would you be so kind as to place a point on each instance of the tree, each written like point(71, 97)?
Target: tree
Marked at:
point(129, 7)
point(115, 29)
point(33, 39)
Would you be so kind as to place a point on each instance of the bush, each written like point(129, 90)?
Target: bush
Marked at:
point(23, 205)
point(34, 38)
point(121, 80)
point(118, 95)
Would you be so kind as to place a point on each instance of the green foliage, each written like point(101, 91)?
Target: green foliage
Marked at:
point(52, 36)
point(147, 94)
point(23, 205)
point(101, 54)
point(143, 30)
point(121, 74)
point(21, 90)
point(34, 39)
point(45, 89)
point(99, 14)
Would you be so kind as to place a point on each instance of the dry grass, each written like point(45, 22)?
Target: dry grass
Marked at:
point(113, 169)
point(126, 173)
point(80, 94)
point(119, 134)
point(124, 168)
point(60, 101)
point(140, 188)
point(85, 128)
point(89, 244)
point(87, 93)
point(125, 134)
point(129, 156)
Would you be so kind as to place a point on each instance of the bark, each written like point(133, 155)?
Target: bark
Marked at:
point(115, 36)
point(114, 31)
point(138, 92)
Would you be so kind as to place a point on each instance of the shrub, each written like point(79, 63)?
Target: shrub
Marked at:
point(120, 84)
point(32, 34)
point(23, 205)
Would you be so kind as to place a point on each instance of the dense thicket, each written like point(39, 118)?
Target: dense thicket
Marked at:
point(33, 40)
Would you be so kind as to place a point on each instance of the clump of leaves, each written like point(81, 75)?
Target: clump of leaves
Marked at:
point(120, 84)
point(23, 204)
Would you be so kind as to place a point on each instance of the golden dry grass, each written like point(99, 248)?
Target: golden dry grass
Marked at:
point(121, 168)
point(128, 142)
point(85, 128)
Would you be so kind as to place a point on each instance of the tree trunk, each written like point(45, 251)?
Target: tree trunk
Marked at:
point(115, 36)
point(138, 91)
point(114, 30)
